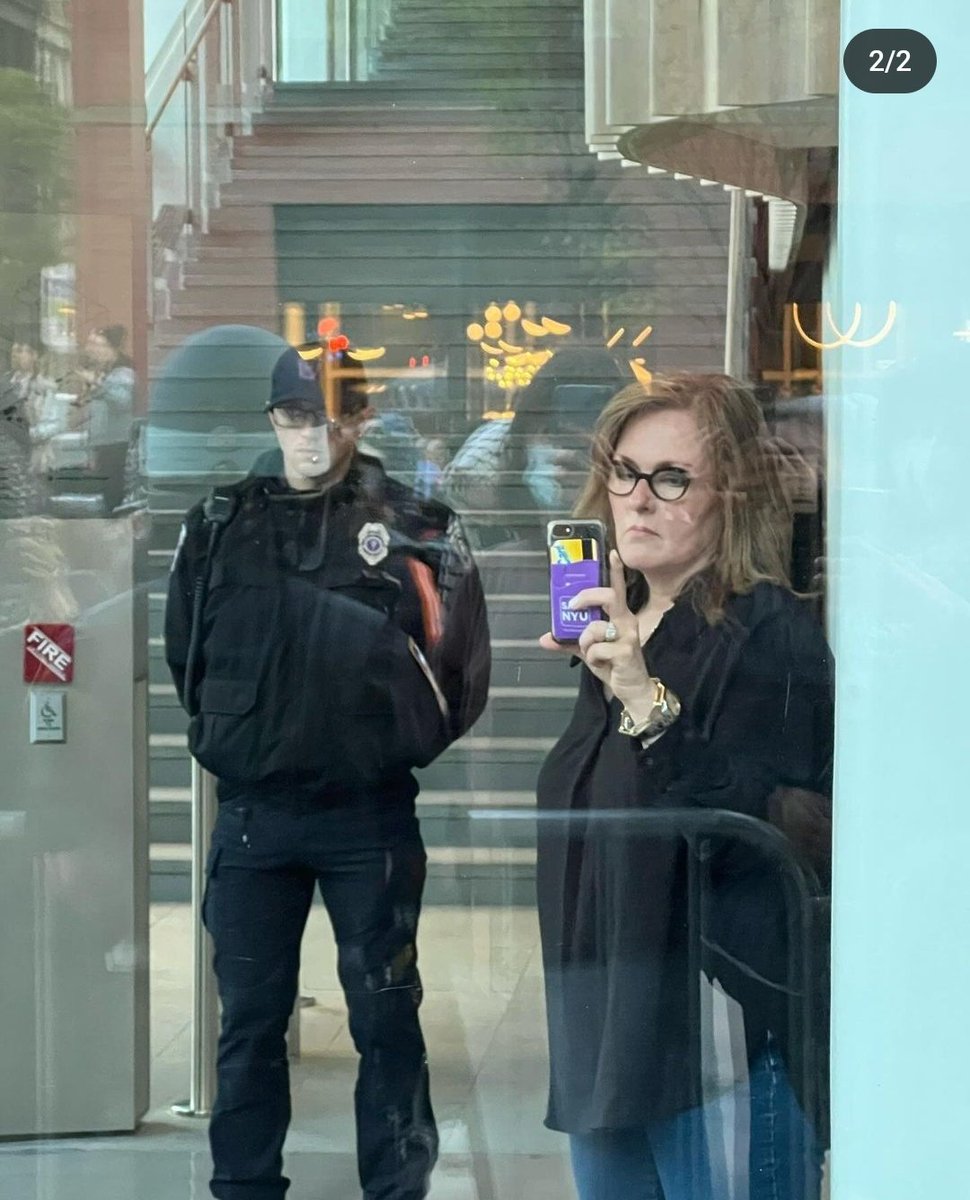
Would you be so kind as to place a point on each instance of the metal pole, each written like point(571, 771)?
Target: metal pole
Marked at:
point(331, 62)
point(738, 288)
point(237, 77)
point(205, 1005)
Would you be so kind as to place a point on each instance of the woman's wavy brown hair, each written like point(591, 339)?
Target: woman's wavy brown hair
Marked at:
point(753, 540)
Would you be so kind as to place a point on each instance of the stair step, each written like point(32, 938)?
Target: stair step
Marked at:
point(526, 523)
point(446, 818)
point(230, 267)
point(418, 163)
point(303, 95)
point(484, 877)
point(178, 798)
point(512, 17)
point(516, 662)
point(419, 119)
point(473, 763)
point(509, 619)
point(513, 58)
point(601, 186)
point(473, 10)
point(660, 207)
point(544, 711)
point(463, 69)
point(173, 745)
point(440, 856)
point(564, 36)
point(472, 139)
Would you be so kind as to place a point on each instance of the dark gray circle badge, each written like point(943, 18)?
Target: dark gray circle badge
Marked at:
point(889, 60)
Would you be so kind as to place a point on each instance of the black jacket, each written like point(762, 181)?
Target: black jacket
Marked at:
point(330, 666)
point(757, 714)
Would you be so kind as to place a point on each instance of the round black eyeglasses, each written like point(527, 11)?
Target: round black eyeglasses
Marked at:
point(666, 483)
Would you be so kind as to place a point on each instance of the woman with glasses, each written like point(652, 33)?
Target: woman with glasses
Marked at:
point(706, 686)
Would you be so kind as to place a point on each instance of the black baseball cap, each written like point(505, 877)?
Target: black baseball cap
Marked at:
point(296, 380)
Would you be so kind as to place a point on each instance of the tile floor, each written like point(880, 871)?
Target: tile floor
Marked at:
point(484, 1024)
point(483, 1021)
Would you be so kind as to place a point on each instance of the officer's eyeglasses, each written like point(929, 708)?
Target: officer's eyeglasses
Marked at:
point(666, 483)
point(295, 416)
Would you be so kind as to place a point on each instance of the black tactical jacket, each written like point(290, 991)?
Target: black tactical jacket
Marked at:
point(343, 642)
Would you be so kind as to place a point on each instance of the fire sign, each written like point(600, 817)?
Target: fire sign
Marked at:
point(48, 653)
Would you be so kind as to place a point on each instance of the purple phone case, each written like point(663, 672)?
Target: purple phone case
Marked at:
point(565, 581)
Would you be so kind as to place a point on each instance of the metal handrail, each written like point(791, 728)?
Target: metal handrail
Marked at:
point(180, 74)
point(698, 827)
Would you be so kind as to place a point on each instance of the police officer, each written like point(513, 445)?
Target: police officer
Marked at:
point(326, 631)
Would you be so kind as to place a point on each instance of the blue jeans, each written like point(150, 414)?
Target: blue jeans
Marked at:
point(673, 1159)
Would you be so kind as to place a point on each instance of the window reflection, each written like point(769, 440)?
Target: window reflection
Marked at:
point(427, 214)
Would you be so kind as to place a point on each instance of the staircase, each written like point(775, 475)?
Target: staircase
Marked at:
point(457, 175)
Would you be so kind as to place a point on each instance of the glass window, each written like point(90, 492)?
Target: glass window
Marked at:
point(445, 451)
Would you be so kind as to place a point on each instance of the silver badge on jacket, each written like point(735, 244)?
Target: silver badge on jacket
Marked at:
point(372, 542)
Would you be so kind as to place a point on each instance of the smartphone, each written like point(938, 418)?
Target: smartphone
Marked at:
point(577, 551)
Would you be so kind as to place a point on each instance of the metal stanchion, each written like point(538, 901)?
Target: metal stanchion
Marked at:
point(205, 1004)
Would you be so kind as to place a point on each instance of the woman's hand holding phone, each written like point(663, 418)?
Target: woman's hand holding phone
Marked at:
point(617, 664)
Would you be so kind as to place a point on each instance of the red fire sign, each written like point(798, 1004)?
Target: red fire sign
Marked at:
point(48, 653)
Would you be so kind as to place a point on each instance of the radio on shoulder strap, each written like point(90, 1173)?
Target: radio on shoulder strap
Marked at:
point(218, 509)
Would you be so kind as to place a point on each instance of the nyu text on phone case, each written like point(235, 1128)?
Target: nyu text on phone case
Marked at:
point(576, 550)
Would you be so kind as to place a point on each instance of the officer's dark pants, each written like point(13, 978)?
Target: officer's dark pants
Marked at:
point(370, 867)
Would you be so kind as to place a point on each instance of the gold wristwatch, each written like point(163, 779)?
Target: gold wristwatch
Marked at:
point(663, 713)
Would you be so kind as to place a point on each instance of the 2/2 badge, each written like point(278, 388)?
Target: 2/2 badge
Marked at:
point(372, 542)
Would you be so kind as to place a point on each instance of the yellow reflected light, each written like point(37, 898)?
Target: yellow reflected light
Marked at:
point(615, 338)
point(642, 336)
point(639, 368)
point(475, 332)
point(532, 329)
point(511, 312)
point(509, 349)
point(493, 313)
point(294, 323)
point(556, 326)
point(493, 329)
point(846, 338)
point(369, 354)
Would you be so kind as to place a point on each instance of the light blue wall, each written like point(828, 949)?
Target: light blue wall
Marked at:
point(160, 16)
point(303, 41)
point(900, 574)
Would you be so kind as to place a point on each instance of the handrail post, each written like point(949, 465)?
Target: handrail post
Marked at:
point(234, 14)
point(205, 1006)
point(193, 149)
point(331, 60)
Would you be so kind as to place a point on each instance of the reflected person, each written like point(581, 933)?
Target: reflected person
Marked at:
point(338, 641)
point(521, 469)
point(706, 686)
point(109, 401)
